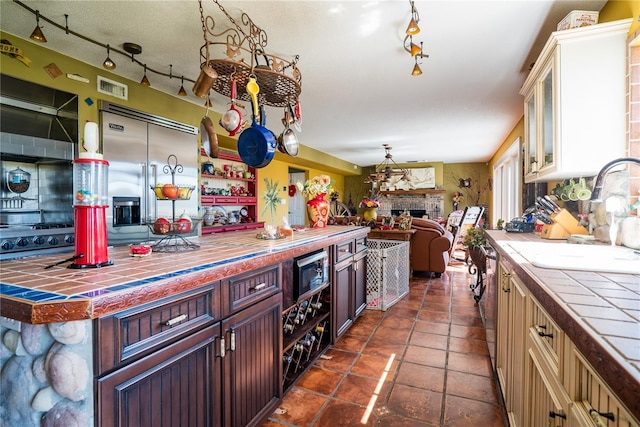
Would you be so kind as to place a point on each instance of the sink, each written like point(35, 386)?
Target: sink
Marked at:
point(567, 256)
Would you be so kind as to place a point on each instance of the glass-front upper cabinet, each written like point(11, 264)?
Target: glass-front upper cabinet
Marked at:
point(539, 125)
point(548, 125)
point(574, 102)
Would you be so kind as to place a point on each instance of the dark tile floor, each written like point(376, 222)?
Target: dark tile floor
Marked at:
point(423, 362)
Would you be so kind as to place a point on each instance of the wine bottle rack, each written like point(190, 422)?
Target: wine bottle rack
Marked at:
point(305, 333)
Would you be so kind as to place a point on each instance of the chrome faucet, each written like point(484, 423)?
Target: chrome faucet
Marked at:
point(597, 186)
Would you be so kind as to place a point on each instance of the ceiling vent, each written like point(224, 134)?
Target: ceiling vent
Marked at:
point(110, 87)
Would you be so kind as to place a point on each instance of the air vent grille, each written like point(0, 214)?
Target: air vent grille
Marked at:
point(113, 88)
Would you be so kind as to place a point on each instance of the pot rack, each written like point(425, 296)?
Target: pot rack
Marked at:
point(240, 54)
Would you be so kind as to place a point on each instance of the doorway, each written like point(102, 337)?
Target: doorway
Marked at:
point(297, 205)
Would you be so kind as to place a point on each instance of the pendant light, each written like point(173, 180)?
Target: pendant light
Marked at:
point(416, 69)
point(37, 33)
point(145, 80)
point(182, 92)
point(108, 63)
point(412, 28)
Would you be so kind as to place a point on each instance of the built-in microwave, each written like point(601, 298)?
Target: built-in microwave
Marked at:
point(310, 272)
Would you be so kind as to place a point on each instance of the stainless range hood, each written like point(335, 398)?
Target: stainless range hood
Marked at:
point(37, 111)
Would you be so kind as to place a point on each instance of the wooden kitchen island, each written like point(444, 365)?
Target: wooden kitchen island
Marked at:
point(190, 338)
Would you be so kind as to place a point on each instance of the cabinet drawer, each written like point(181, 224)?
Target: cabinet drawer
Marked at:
point(548, 336)
point(241, 291)
point(343, 251)
point(133, 333)
point(593, 400)
point(360, 244)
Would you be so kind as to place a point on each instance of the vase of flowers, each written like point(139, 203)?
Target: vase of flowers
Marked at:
point(456, 198)
point(370, 204)
point(317, 189)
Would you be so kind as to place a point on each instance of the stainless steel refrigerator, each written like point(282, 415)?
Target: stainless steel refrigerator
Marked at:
point(138, 147)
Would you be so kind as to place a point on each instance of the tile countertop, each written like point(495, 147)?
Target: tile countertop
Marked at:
point(599, 312)
point(29, 293)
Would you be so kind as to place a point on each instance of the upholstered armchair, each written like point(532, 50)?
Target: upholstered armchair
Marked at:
point(431, 247)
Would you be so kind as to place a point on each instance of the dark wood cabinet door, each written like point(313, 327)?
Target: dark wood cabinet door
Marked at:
point(342, 298)
point(178, 386)
point(360, 283)
point(253, 368)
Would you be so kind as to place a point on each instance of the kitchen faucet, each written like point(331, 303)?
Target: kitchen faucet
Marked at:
point(597, 187)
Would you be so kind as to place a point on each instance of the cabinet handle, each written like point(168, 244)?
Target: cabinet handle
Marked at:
point(553, 414)
point(596, 417)
point(222, 348)
point(232, 340)
point(258, 287)
point(541, 331)
point(175, 320)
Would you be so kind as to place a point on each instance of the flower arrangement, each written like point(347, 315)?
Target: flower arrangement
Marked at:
point(371, 201)
point(316, 186)
point(457, 197)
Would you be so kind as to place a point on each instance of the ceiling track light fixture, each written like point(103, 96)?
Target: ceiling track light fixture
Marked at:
point(130, 49)
point(182, 92)
point(408, 44)
point(37, 33)
point(108, 63)
point(145, 81)
point(412, 28)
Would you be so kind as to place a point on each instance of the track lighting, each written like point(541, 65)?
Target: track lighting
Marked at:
point(412, 28)
point(37, 33)
point(108, 63)
point(182, 92)
point(409, 45)
point(129, 49)
point(145, 80)
point(416, 69)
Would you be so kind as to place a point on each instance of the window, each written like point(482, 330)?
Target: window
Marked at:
point(507, 182)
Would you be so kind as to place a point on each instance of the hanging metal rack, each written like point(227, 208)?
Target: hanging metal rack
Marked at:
point(240, 53)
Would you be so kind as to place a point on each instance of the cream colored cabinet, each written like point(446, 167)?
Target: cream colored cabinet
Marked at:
point(511, 339)
point(544, 379)
point(574, 101)
point(595, 404)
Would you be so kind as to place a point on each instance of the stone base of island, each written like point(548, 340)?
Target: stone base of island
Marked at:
point(176, 338)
